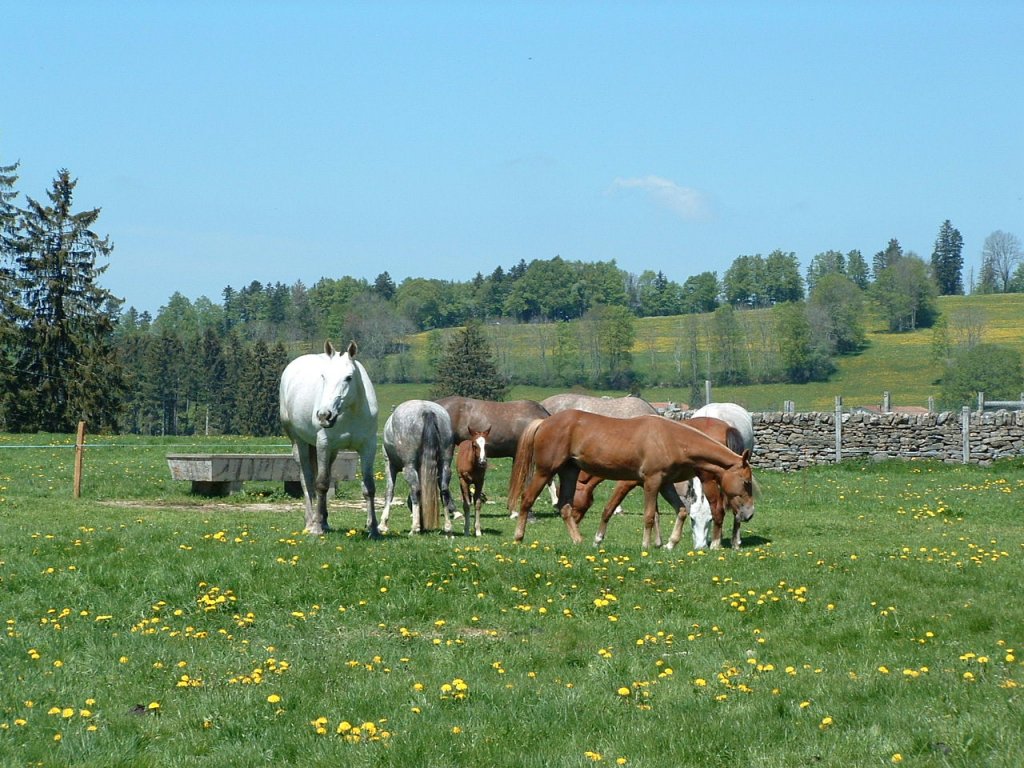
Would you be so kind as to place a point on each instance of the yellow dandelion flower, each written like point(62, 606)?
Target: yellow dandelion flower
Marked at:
point(623, 691)
point(274, 698)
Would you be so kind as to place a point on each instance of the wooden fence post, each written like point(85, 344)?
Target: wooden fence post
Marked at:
point(79, 450)
point(707, 391)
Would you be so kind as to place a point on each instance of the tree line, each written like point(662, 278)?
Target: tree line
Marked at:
point(69, 349)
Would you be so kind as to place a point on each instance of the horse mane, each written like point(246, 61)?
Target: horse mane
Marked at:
point(734, 441)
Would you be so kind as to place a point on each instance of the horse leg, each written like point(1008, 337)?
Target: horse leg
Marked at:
point(478, 499)
point(467, 494)
point(651, 514)
point(671, 495)
point(583, 498)
point(412, 478)
point(622, 488)
point(540, 479)
point(305, 457)
point(366, 454)
point(717, 518)
point(322, 469)
point(736, 543)
point(568, 476)
point(389, 495)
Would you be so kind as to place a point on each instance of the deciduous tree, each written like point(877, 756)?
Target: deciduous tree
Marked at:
point(1000, 254)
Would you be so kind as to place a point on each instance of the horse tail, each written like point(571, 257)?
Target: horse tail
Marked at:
point(522, 466)
point(431, 457)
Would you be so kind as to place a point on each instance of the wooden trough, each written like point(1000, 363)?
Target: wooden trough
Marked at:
point(218, 474)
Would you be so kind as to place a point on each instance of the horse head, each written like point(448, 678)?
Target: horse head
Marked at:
point(479, 440)
point(739, 488)
point(340, 382)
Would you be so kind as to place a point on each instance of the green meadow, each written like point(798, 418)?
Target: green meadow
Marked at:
point(901, 363)
point(872, 617)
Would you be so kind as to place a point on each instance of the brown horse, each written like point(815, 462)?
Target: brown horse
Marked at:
point(506, 421)
point(716, 428)
point(471, 464)
point(656, 451)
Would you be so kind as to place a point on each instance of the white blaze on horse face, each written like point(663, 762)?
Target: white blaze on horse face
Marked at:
point(481, 445)
point(337, 377)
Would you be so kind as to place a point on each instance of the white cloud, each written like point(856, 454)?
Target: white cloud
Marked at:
point(685, 202)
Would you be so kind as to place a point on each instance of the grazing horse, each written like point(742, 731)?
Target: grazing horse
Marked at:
point(656, 451)
point(739, 418)
point(418, 441)
point(505, 420)
point(328, 403)
point(697, 494)
point(734, 415)
point(471, 465)
point(619, 407)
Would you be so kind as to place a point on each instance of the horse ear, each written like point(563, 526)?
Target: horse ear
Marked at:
point(746, 456)
point(352, 349)
point(328, 349)
point(486, 432)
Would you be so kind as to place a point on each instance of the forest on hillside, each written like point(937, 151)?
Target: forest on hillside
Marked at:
point(69, 349)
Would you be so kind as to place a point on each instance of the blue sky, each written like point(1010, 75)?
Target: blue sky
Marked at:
point(228, 142)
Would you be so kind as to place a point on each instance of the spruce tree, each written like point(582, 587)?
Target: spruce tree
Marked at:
point(66, 369)
point(8, 306)
point(467, 367)
point(948, 260)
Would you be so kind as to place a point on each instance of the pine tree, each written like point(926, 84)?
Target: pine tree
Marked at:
point(948, 260)
point(66, 369)
point(467, 367)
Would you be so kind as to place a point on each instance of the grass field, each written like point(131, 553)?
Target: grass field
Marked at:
point(872, 617)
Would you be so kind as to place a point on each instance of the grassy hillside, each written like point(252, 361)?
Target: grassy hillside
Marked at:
point(900, 363)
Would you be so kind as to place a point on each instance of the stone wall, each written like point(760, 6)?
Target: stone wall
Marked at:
point(789, 441)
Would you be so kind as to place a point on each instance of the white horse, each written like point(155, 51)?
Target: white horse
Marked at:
point(418, 441)
point(735, 416)
point(739, 418)
point(328, 403)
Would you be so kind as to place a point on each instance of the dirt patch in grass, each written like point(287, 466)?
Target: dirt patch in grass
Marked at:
point(223, 506)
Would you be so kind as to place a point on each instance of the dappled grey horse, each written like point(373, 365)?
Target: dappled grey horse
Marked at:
point(418, 441)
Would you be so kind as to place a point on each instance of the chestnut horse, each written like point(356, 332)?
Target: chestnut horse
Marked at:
point(653, 450)
point(471, 464)
point(716, 428)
